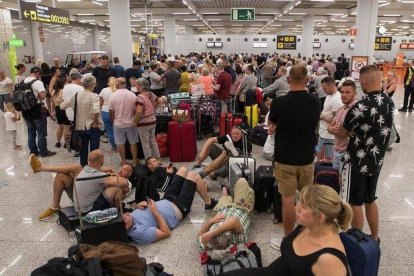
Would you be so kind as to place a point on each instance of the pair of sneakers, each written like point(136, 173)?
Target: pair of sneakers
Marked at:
point(231, 149)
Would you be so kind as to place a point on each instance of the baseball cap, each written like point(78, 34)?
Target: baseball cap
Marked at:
point(35, 69)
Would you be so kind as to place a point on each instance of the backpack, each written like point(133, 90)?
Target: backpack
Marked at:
point(240, 256)
point(24, 98)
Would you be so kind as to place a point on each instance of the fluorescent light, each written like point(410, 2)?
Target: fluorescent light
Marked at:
point(180, 13)
point(97, 3)
point(297, 13)
point(322, 0)
point(210, 13)
point(335, 14)
point(213, 19)
point(68, 0)
point(384, 4)
point(391, 15)
point(190, 19)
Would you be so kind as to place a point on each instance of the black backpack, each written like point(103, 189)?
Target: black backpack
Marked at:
point(24, 98)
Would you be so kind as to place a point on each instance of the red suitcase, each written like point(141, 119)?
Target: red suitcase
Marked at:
point(226, 123)
point(182, 145)
point(162, 141)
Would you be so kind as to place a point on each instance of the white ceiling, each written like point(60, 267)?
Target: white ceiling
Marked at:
point(272, 16)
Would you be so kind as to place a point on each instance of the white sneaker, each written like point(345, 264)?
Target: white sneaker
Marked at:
point(230, 147)
point(275, 243)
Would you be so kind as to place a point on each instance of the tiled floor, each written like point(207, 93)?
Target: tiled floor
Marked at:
point(26, 243)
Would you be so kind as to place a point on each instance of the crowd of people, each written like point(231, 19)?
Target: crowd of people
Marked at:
point(304, 94)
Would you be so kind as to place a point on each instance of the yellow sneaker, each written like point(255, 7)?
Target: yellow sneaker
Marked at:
point(35, 163)
point(48, 213)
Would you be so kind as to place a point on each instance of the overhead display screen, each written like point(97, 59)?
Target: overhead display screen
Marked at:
point(259, 45)
point(286, 42)
point(383, 43)
point(210, 44)
point(214, 44)
point(316, 45)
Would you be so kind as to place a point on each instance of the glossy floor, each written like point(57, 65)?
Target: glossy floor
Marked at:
point(26, 243)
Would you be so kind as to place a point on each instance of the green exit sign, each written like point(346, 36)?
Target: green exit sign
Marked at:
point(243, 14)
point(16, 43)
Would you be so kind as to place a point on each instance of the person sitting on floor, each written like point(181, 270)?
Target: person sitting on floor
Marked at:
point(153, 221)
point(96, 194)
point(314, 247)
point(232, 143)
point(231, 223)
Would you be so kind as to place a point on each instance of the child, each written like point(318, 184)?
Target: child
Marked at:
point(11, 116)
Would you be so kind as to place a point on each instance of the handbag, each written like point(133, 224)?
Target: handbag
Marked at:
point(74, 141)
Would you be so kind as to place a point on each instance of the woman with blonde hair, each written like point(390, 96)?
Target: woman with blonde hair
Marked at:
point(314, 247)
point(390, 84)
point(208, 80)
point(104, 98)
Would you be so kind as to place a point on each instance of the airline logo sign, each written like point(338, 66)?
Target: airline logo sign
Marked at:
point(44, 14)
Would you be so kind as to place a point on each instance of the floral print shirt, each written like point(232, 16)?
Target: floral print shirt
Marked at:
point(369, 121)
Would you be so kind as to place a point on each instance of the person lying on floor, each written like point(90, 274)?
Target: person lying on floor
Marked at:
point(153, 221)
point(232, 143)
point(314, 247)
point(231, 223)
point(95, 194)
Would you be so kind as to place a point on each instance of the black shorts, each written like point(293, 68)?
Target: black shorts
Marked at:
point(100, 203)
point(362, 188)
point(158, 92)
point(181, 192)
point(61, 117)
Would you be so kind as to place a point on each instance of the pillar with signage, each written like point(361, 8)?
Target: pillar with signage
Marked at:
point(366, 28)
point(307, 36)
point(121, 39)
point(169, 35)
point(13, 43)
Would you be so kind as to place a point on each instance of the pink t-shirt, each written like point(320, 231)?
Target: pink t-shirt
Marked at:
point(340, 143)
point(122, 102)
point(208, 81)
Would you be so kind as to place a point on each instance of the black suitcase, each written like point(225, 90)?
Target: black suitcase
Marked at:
point(263, 189)
point(325, 174)
point(162, 122)
point(95, 234)
point(128, 154)
point(69, 219)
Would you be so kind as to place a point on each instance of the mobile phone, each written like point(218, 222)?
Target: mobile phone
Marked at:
point(170, 165)
point(148, 199)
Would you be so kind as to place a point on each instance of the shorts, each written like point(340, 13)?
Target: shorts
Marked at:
point(327, 146)
point(200, 172)
point(122, 134)
point(291, 178)
point(101, 203)
point(181, 192)
point(243, 196)
point(61, 117)
point(69, 192)
point(357, 188)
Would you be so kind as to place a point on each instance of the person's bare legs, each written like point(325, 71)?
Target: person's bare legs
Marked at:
point(114, 195)
point(62, 182)
point(216, 164)
point(59, 133)
point(75, 169)
point(66, 130)
point(358, 217)
point(288, 213)
point(121, 151)
point(371, 212)
point(182, 171)
point(134, 152)
point(201, 186)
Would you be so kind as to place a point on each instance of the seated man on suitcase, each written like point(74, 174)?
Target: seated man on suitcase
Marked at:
point(94, 194)
point(153, 221)
point(231, 143)
point(231, 223)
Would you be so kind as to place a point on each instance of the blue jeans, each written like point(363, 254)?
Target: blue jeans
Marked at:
point(90, 141)
point(109, 128)
point(4, 98)
point(337, 161)
point(37, 127)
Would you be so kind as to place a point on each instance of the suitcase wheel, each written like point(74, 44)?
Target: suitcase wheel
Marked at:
point(71, 233)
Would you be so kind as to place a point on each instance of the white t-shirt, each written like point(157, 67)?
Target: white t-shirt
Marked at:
point(331, 105)
point(310, 69)
point(154, 84)
point(105, 94)
point(37, 86)
point(4, 89)
point(19, 79)
point(269, 146)
point(68, 91)
point(10, 124)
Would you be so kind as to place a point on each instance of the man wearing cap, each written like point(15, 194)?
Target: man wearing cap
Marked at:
point(36, 117)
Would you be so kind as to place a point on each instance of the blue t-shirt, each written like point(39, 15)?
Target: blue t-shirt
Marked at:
point(145, 225)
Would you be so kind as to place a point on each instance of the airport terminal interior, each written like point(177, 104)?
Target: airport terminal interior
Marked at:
point(359, 32)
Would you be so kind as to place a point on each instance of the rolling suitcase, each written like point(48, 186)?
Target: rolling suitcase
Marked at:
point(182, 145)
point(162, 122)
point(252, 113)
point(263, 189)
point(362, 251)
point(325, 174)
point(226, 123)
point(259, 135)
point(242, 167)
point(94, 234)
point(162, 142)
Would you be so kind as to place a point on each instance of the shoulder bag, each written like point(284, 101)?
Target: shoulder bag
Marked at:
point(73, 139)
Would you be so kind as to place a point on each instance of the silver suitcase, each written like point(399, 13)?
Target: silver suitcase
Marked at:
point(241, 167)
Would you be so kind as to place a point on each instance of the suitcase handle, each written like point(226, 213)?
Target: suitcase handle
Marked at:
point(358, 234)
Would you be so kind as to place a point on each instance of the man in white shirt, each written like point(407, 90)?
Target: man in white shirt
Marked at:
point(36, 117)
point(70, 90)
point(331, 105)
